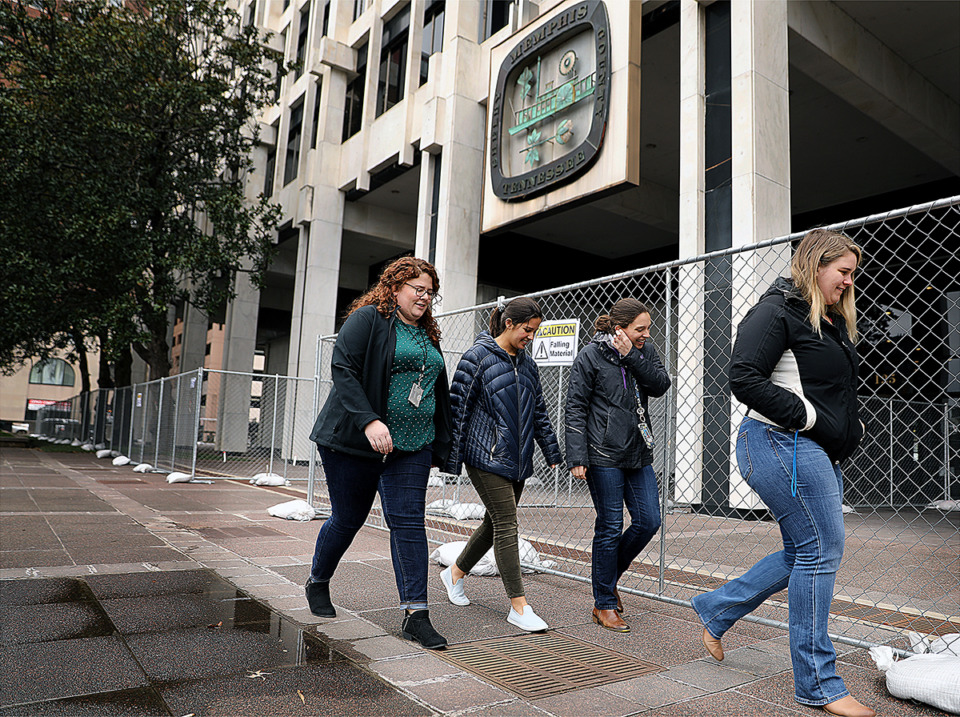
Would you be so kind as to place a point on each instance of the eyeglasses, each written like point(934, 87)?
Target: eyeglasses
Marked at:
point(421, 290)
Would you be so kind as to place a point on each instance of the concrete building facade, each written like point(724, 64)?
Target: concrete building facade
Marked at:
point(729, 123)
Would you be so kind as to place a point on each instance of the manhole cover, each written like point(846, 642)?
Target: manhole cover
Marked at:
point(544, 664)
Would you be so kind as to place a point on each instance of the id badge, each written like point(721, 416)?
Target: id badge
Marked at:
point(416, 394)
point(645, 432)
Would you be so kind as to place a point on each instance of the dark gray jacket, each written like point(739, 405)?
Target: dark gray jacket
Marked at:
point(601, 410)
point(361, 365)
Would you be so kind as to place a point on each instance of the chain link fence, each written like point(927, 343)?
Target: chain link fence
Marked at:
point(207, 423)
point(902, 560)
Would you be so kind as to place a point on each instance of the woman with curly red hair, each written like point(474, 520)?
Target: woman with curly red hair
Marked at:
point(386, 421)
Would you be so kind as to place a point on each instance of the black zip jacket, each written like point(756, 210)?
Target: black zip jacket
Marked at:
point(361, 365)
point(498, 413)
point(775, 337)
point(601, 409)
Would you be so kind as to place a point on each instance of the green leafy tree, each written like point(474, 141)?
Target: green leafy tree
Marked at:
point(126, 134)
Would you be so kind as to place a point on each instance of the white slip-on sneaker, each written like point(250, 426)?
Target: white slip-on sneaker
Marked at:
point(454, 589)
point(527, 620)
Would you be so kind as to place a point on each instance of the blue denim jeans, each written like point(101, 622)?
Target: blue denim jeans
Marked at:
point(613, 547)
point(811, 524)
point(352, 483)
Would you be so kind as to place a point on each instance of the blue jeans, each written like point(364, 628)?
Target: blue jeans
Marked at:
point(613, 548)
point(352, 483)
point(811, 524)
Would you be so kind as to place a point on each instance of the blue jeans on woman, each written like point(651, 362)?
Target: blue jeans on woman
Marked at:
point(613, 547)
point(352, 483)
point(811, 523)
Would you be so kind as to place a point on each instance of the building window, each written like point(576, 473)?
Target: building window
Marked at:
point(252, 13)
point(393, 61)
point(52, 372)
point(353, 106)
point(432, 35)
point(315, 128)
point(304, 30)
point(294, 131)
point(326, 19)
point(357, 9)
point(494, 15)
point(270, 168)
point(277, 85)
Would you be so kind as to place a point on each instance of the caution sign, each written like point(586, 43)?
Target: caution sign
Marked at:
point(556, 342)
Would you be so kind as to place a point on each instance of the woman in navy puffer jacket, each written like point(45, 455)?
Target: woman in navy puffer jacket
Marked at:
point(498, 414)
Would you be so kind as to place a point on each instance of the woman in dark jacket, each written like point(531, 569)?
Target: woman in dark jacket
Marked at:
point(609, 443)
point(387, 419)
point(498, 413)
point(795, 367)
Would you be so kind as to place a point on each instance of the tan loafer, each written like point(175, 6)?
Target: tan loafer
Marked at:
point(713, 646)
point(848, 707)
point(610, 620)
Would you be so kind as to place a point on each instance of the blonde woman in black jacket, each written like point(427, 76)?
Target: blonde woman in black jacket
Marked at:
point(795, 367)
point(609, 444)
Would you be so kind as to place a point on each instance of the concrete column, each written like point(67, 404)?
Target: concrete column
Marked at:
point(761, 171)
point(688, 385)
point(461, 175)
point(193, 345)
point(240, 339)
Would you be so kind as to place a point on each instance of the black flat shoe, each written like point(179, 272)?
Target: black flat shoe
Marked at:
point(318, 598)
point(416, 626)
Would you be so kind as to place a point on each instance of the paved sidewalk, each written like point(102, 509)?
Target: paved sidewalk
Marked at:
point(124, 595)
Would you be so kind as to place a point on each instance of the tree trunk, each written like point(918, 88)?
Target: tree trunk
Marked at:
point(81, 360)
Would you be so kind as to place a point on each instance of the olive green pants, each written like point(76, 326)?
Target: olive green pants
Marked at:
point(499, 528)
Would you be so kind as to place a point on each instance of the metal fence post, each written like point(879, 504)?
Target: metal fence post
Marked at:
point(143, 427)
point(946, 450)
point(667, 435)
point(273, 432)
point(156, 455)
point(133, 398)
point(312, 466)
point(196, 422)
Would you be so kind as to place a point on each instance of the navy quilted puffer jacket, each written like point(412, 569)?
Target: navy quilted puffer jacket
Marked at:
point(498, 412)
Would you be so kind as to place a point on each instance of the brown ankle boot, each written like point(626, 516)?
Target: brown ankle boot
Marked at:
point(713, 646)
point(610, 619)
point(848, 707)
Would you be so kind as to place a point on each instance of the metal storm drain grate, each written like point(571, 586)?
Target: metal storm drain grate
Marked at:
point(544, 664)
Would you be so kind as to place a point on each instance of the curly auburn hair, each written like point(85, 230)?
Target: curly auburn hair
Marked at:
point(395, 275)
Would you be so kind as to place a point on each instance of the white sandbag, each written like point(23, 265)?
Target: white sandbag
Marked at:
point(434, 481)
point(933, 679)
point(948, 644)
point(142, 468)
point(268, 479)
point(87, 446)
point(447, 554)
point(121, 461)
point(100, 446)
point(293, 510)
point(177, 477)
point(487, 565)
point(103, 453)
point(466, 511)
point(75, 442)
point(847, 509)
point(945, 505)
point(440, 506)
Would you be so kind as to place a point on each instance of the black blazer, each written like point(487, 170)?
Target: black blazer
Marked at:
point(361, 365)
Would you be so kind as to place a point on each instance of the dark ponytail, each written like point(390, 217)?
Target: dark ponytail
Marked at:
point(621, 314)
point(518, 311)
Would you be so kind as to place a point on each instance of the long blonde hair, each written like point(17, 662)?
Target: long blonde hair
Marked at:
point(817, 249)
